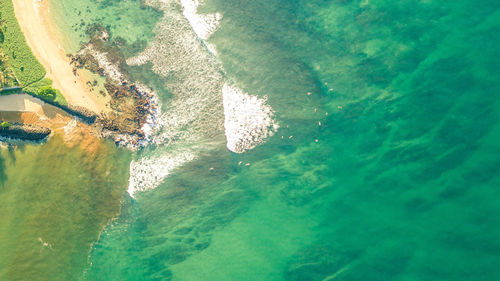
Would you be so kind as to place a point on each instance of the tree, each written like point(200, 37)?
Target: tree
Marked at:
point(47, 93)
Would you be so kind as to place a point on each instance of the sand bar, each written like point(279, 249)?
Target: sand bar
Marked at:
point(33, 17)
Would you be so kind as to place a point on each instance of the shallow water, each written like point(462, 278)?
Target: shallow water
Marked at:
point(387, 170)
point(54, 201)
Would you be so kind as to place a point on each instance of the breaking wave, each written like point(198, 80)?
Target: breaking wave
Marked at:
point(203, 25)
point(149, 173)
point(204, 109)
point(248, 119)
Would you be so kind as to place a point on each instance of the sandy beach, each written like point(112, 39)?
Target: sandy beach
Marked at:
point(33, 17)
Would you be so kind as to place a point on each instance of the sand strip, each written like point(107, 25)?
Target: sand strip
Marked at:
point(33, 17)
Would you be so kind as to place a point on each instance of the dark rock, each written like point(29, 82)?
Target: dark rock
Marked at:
point(25, 132)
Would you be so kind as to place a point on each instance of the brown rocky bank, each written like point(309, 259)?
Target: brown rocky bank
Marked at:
point(25, 132)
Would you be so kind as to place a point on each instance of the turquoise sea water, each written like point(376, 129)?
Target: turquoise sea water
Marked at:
point(388, 170)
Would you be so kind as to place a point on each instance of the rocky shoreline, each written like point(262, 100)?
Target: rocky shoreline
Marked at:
point(134, 107)
point(25, 132)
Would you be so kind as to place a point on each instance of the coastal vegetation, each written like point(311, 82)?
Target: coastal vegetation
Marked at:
point(37, 90)
point(20, 71)
point(47, 92)
point(18, 65)
point(7, 77)
point(22, 61)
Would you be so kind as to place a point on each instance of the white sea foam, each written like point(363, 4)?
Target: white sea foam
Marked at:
point(147, 174)
point(203, 25)
point(44, 243)
point(248, 119)
point(69, 129)
point(205, 111)
point(212, 48)
point(140, 59)
point(154, 110)
point(111, 70)
point(151, 124)
point(194, 116)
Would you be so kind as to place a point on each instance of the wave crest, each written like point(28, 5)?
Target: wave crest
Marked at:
point(248, 119)
point(147, 174)
point(203, 25)
point(205, 111)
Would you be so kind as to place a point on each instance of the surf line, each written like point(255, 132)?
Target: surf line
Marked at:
point(248, 119)
point(205, 105)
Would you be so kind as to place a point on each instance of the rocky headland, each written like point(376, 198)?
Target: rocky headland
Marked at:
point(133, 106)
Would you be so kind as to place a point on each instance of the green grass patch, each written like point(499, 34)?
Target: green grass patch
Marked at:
point(7, 77)
point(24, 64)
point(18, 65)
point(36, 88)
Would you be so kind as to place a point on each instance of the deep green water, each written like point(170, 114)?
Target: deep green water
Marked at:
point(403, 182)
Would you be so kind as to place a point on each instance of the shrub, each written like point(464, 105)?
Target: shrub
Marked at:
point(48, 93)
point(5, 124)
point(35, 88)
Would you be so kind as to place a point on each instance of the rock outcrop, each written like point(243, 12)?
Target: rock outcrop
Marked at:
point(25, 132)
